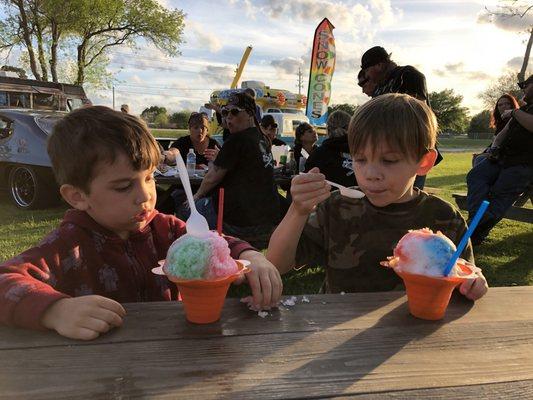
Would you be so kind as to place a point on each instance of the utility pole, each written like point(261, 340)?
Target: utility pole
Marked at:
point(300, 81)
point(113, 97)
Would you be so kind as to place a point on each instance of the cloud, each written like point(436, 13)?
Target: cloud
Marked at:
point(218, 75)
point(287, 65)
point(515, 63)
point(508, 18)
point(203, 38)
point(355, 17)
point(457, 70)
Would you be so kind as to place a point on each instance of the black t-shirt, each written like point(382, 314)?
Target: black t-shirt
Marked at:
point(517, 147)
point(298, 153)
point(278, 142)
point(406, 80)
point(250, 194)
point(334, 160)
point(184, 143)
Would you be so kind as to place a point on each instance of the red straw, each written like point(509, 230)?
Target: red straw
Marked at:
point(220, 210)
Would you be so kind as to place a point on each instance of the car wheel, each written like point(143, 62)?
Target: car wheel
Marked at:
point(32, 188)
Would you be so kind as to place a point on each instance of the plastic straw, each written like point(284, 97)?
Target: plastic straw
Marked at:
point(220, 215)
point(464, 240)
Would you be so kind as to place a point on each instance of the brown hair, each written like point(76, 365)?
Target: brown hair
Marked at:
point(89, 136)
point(300, 130)
point(197, 118)
point(337, 124)
point(405, 123)
point(496, 120)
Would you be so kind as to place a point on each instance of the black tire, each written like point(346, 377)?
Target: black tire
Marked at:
point(32, 187)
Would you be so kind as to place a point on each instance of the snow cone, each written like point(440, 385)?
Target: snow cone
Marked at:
point(420, 259)
point(202, 269)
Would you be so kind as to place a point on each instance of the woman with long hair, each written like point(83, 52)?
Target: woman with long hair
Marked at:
point(504, 103)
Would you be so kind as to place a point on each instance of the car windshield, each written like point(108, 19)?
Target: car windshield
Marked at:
point(47, 122)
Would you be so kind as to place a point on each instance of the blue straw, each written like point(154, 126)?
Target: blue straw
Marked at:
point(464, 240)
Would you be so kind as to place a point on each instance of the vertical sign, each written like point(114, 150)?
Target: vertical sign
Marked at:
point(320, 73)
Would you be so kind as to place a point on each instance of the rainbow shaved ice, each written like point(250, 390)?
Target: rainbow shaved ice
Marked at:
point(423, 252)
point(192, 257)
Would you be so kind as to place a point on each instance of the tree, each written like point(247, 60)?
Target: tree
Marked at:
point(21, 73)
point(349, 108)
point(451, 116)
point(181, 119)
point(506, 83)
point(513, 9)
point(84, 31)
point(480, 124)
point(161, 120)
point(149, 114)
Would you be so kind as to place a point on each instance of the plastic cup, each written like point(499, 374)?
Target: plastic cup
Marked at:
point(203, 299)
point(428, 296)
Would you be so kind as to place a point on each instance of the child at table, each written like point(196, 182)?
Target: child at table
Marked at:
point(392, 139)
point(104, 249)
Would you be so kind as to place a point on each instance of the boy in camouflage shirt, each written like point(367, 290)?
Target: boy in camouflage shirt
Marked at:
point(392, 139)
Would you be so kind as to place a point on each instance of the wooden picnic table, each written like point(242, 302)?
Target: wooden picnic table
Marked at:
point(362, 345)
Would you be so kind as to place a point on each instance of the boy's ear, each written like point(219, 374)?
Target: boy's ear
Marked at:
point(74, 196)
point(427, 162)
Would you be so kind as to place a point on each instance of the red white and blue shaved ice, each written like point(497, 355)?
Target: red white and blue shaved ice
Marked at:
point(423, 252)
point(206, 257)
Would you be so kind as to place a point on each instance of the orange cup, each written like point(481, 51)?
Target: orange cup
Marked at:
point(428, 296)
point(203, 299)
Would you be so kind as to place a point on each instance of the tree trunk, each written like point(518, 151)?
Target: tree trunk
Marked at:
point(53, 50)
point(82, 54)
point(26, 33)
point(522, 73)
point(40, 50)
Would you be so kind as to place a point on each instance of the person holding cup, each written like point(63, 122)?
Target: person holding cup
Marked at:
point(350, 237)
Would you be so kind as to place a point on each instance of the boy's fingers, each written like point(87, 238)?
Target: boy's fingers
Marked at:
point(112, 305)
point(466, 286)
point(255, 286)
point(266, 289)
point(111, 317)
point(84, 334)
point(95, 324)
point(277, 288)
point(308, 187)
point(310, 195)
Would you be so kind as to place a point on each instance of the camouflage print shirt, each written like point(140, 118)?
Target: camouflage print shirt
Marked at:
point(349, 237)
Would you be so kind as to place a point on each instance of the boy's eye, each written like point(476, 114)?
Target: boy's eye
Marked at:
point(390, 161)
point(123, 188)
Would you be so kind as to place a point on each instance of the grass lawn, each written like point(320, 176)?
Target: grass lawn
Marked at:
point(505, 257)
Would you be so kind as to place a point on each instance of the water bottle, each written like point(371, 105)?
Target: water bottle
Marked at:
point(191, 162)
point(291, 164)
point(301, 164)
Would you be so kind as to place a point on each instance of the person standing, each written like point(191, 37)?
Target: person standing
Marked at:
point(389, 77)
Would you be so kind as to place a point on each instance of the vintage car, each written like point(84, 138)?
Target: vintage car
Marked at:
point(25, 167)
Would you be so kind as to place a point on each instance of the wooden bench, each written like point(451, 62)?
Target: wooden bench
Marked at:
point(517, 212)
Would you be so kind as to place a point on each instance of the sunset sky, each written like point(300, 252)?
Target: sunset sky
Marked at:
point(452, 42)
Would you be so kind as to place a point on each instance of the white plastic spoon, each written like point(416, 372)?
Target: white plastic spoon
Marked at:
point(348, 192)
point(196, 224)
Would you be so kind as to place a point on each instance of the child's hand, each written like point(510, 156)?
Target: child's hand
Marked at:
point(474, 288)
point(308, 190)
point(83, 317)
point(264, 280)
point(211, 154)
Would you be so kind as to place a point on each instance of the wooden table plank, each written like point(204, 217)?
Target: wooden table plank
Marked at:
point(362, 345)
point(166, 320)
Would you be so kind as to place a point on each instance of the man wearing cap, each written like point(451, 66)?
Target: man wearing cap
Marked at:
point(244, 167)
point(507, 171)
point(367, 86)
point(391, 78)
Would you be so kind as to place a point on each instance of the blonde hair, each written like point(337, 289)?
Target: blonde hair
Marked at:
point(406, 124)
point(337, 124)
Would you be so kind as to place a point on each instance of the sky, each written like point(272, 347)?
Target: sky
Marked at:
point(454, 43)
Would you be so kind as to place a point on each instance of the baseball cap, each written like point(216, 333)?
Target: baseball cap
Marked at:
point(374, 56)
point(243, 101)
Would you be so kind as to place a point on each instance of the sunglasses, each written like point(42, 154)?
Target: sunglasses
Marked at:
point(233, 111)
point(363, 82)
point(272, 126)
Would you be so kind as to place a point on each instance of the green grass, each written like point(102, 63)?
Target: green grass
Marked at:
point(505, 257)
point(461, 142)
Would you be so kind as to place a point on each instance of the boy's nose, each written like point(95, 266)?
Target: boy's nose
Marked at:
point(144, 194)
point(373, 173)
